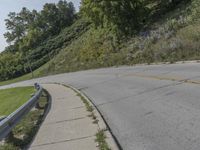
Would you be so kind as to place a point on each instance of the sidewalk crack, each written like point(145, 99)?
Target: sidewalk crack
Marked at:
point(69, 120)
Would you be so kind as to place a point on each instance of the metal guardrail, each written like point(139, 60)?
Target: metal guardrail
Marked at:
point(9, 122)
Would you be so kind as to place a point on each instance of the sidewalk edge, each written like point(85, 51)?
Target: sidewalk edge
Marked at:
point(111, 140)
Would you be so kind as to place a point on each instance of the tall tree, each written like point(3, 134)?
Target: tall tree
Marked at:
point(15, 27)
point(18, 23)
point(66, 13)
point(27, 30)
point(50, 15)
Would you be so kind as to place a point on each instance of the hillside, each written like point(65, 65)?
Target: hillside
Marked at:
point(172, 36)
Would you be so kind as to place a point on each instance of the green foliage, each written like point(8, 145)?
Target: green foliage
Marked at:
point(171, 3)
point(50, 48)
point(18, 23)
point(26, 24)
point(123, 15)
point(27, 30)
point(8, 147)
point(101, 139)
point(93, 49)
point(172, 36)
point(14, 64)
point(10, 65)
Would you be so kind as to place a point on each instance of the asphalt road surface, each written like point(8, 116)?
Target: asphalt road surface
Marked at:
point(155, 107)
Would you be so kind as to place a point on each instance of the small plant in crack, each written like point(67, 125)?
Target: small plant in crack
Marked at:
point(89, 109)
point(93, 116)
point(101, 140)
point(88, 106)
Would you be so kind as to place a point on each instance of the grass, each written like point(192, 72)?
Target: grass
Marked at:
point(87, 105)
point(100, 135)
point(22, 78)
point(25, 131)
point(89, 108)
point(11, 99)
point(101, 140)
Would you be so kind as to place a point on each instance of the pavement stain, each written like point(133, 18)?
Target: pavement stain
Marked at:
point(148, 113)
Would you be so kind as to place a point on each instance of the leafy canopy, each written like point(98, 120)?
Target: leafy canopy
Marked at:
point(125, 15)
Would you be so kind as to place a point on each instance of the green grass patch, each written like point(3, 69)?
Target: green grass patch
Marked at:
point(25, 131)
point(11, 99)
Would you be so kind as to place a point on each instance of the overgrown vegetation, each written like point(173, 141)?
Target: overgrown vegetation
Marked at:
point(28, 34)
point(87, 105)
point(107, 33)
point(25, 131)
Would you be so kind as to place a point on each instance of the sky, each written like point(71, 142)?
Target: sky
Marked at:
point(7, 6)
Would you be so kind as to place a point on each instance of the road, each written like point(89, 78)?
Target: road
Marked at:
point(155, 107)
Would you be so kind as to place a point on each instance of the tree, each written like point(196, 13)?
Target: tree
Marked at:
point(50, 15)
point(125, 15)
point(18, 23)
point(54, 17)
point(171, 3)
point(27, 30)
point(66, 13)
point(15, 27)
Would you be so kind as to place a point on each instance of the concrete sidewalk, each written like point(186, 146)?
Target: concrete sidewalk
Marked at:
point(67, 126)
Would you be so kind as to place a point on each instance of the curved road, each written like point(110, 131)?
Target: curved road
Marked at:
point(155, 107)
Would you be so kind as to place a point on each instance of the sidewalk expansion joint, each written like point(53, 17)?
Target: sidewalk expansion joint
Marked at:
point(78, 107)
point(70, 120)
point(64, 141)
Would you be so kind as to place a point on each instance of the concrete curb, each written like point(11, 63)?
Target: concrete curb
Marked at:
point(101, 122)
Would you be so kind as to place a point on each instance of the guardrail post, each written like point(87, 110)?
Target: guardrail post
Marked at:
point(37, 87)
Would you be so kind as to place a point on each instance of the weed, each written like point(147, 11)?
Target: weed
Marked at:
point(88, 106)
point(101, 140)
